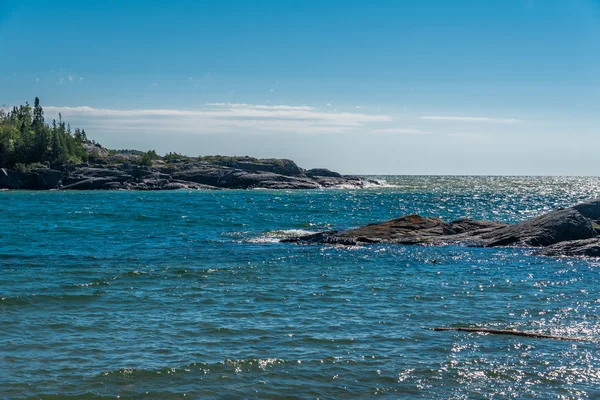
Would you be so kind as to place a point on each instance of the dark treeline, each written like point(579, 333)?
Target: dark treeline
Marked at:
point(25, 138)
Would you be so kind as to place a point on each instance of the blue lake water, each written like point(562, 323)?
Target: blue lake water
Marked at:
point(190, 295)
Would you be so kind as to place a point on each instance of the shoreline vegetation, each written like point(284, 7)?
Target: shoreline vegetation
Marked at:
point(35, 155)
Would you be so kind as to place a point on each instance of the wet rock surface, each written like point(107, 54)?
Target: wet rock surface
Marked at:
point(565, 232)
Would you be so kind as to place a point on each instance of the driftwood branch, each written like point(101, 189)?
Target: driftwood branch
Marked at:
point(511, 332)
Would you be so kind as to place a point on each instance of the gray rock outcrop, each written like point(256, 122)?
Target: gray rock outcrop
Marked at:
point(125, 172)
point(36, 179)
point(569, 232)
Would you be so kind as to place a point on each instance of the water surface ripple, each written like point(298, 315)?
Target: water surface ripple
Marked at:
point(190, 295)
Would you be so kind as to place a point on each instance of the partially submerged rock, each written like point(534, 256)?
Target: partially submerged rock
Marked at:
point(409, 229)
point(574, 248)
point(570, 231)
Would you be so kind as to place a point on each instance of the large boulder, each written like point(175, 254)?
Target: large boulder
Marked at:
point(312, 173)
point(589, 209)
point(95, 150)
point(544, 230)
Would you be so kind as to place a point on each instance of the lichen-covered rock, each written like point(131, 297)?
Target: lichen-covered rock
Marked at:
point(95, 150)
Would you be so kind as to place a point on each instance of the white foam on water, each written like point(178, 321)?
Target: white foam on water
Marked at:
point(276, 236)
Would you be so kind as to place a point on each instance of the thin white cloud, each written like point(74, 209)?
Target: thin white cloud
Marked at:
point(472, 119)
point(259, 107)
point(224, 117)
point(400, 131)
point(70, 78)
point(465, 135)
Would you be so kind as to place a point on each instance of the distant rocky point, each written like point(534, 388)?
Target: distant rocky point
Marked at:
point(573, 231)
point(134, 170)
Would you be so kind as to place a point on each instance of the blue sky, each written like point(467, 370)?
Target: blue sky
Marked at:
point(381, 87)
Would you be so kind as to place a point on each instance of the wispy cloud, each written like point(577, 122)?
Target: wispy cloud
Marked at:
point(474, 136)
point(224, 117)
point(472, 119)
point(400, 131)
point(259, 107)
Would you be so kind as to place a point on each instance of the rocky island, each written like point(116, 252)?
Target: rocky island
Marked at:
point(125, 172)
point(572, 231)
point(35, 155)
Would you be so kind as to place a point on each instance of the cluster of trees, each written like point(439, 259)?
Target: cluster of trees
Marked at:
point(25, 138)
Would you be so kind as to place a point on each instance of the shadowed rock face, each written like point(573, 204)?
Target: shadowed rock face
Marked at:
point(41, 178)
point(545, 230)
point(567, 231)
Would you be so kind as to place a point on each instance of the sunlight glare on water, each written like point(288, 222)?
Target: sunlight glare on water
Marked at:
point(166, 294)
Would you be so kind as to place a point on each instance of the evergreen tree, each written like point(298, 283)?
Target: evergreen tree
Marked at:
point(38, 113)
point(25, 138)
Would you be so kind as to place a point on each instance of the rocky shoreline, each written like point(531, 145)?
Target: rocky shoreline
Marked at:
point(572, 231)
point(125, 173)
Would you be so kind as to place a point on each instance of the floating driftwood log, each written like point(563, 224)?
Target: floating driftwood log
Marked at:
point(511, 332)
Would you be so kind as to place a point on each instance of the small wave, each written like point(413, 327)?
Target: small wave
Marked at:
point(221, 366)
point(378, 183)
point(367, 183)
point(32, 299)
point(276, 236)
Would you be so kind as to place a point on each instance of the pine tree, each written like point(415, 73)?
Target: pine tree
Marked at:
point(38, 113)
